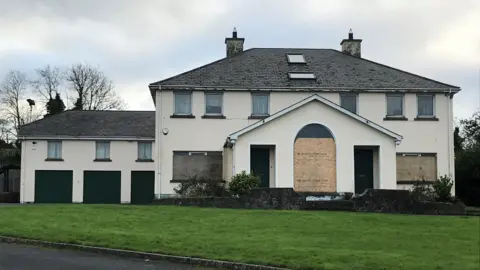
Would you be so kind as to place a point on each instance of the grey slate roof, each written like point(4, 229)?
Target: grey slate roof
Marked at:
point(268, 68)
point(93, 124)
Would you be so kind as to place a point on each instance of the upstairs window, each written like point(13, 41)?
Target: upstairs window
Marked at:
point(183, 103)
point(296, 58)
point(425, 105)
point(54, 150)
point(213, 103)
point(144, 150)
point(349, 102)
point(102, 150)
point(395, 105)
point(260, 104)
point(301, 75)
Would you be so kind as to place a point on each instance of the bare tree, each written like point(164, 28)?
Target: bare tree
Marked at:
point(13, 96)
point(48, 82)
point(4, 130)
point(47, 86)
point(94, 91)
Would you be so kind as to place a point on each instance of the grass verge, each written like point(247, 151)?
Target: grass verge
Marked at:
point(295, 239)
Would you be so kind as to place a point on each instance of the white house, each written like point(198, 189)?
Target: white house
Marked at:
point(313, 119)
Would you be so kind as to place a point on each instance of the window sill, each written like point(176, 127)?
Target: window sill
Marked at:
point(432, 118)
point(182, 116)
point(102, 160)
point(258, 116)
point(54, 159)
point(207, 116)
point(395, 118)
point(412, 182)
point(144, 160)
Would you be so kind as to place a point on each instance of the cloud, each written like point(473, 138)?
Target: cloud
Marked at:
point(460, 41)
point(121, 37)
point(139, 42)
point(113, 26)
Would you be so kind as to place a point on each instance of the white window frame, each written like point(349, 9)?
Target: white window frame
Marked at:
point(403, 105)
point(355, 95)
point(48, 149)
point(302, 76)
point(97, 143)
point(139, 143)
point(221, 105)
point(290, 61)
point(433, 106)
point(175, 102)
point(268, 103)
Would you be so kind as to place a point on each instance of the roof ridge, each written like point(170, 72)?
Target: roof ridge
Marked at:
point(368, 75)
point(200, 67)
point(77, 111)
point(285, 48)
point(111, 111)
point(40, 119)
point(396, 69)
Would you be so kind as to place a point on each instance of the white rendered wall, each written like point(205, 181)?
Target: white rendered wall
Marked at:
point(210, 134)
point(78, 156)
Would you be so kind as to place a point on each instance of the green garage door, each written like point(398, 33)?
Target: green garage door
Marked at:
point(101, 186)
point(142, 187)
point(53, 186)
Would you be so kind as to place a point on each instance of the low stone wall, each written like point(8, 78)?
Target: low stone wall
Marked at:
point(9, 197)
point(402, 202)
point(262, 198)
point(373, 200)
point(336, 205)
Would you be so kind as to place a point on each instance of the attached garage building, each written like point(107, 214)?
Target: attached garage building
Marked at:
point(91, 157)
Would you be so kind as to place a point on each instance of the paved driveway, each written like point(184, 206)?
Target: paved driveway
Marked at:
point(20, 257)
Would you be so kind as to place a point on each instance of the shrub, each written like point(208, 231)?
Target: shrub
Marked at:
point(195, 187)
point(422, 191)
point(442, 189)
point(242, 183)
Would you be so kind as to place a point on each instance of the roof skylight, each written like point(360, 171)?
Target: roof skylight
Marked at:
point(296, 59)
point(301, 75)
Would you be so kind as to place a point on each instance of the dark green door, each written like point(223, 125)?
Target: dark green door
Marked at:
point(260, 164)
point(363, 169)
point(101, 186)
point(142, 187)
point(53, 186)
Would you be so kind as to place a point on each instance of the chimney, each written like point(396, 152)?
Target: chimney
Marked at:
point(352, 46)
point(234, 44)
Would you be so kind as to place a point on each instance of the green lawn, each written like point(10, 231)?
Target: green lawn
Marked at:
point(296, 239)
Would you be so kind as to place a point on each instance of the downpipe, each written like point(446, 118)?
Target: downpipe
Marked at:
point(449, 138)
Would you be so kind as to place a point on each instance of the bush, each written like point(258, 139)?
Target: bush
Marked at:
point(242, 183)
point(195, 187)
point(422, 191)
point(439, 190)
point(442, 189)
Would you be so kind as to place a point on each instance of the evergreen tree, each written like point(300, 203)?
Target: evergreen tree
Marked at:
point(457, 140)
point(78, 104)
point(55, 105)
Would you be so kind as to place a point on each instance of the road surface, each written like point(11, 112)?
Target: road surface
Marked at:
point(22, 257)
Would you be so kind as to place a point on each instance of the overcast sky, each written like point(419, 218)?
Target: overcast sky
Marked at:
point(138, 42)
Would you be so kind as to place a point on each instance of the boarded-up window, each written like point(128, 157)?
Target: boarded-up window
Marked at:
point(416, 166)
point(203, 165)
